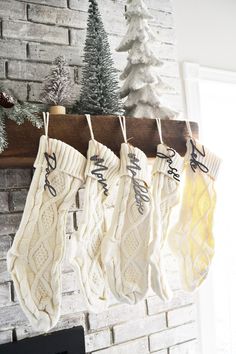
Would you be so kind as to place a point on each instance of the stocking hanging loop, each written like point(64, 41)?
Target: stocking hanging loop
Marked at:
point(123, 127)
point(190, 133)
point(158, 120)
point(88, 117)
point(46, 123)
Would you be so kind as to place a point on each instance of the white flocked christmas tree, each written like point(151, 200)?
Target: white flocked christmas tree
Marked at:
point(142, 87)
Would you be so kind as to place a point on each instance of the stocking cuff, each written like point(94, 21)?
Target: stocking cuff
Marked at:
point(168, 161)
point(134, 163)
point(68, 159)
point(200, 158)
point(110, 160)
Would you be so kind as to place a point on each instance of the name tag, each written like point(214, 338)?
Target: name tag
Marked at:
point(51, 166)
point(169, 160)
point(140, 189)
point(98, 172)
point(195, 154)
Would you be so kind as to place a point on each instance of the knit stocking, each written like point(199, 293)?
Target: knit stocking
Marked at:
point(165, 191)
point(125, 248)
point(192, 239)
point(35, 257)
point(101, 174)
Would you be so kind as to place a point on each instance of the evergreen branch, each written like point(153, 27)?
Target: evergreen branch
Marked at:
point(3, 135)
point(20, 112)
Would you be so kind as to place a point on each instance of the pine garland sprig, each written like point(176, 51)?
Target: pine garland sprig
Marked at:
point(24, 111)
point(19, 113)
point(3, 135)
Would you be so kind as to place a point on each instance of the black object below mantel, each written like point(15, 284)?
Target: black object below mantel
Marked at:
point(69, 341)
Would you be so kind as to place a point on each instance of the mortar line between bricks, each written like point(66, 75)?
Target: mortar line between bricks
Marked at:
point(149, 345)
point(33, 41)
point(12, 213)
point(53, 24)
point(33, 3)
point(32, 22)
point(47, 5)
point(14, 336)
point(187, 341)
point(10, 202)
point(27, 11)
point(112, 335)
point(27, 50)
point(162, 11)
point(146, 308)
point(172, 309)
point(87, 323)
point(35, 61)
point(12, 291)
point(179, 343)
point(180, 307)
point(69, 36)
point(14, 189)
point(177, 326)
point(181, 324)
point(167, 322)
point(24, 80)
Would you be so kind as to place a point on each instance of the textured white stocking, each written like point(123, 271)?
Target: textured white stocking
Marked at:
point(192, 238)
point(125, 248)
point(101, 177)
point(35, 257)
point(165, 190)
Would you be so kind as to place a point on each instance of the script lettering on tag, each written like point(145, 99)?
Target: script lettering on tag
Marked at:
point(98, 172)
point(51, 166)
point(140, 189)
point(194, 163)
point(169, 159)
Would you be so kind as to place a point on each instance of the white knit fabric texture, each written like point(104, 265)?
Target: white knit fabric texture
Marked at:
point(101, 177)
point(35, 257)
point(125, 248)
point(165, 191)
point(192, 238)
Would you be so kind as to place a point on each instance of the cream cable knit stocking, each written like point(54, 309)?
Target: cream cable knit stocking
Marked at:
point(165, 190)
point(35, 257)
point(192, 239)
point(125, 248)
point(101, 176)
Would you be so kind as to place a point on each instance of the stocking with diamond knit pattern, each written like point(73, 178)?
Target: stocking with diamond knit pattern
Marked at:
point(101, 176)
point(165, 191)
point(35, 257)
point(192, 238)
point(125, 248)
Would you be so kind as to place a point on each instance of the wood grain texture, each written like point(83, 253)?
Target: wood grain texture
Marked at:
point(73, 130)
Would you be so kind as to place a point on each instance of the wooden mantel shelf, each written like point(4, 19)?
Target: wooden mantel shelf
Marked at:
point(73, 130)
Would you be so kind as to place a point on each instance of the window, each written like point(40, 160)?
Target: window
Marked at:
point(211, 100)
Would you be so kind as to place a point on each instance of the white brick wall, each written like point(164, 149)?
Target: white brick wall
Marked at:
point(33, 33)
point(173, 336)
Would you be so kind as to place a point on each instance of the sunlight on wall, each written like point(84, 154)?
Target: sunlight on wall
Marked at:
point(218, 115)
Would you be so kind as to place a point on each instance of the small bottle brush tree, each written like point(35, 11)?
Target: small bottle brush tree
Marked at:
point(58, 87)
point(142, 83)
point(99, 92)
